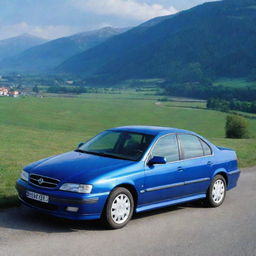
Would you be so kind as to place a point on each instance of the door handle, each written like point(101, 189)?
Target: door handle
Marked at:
point(209, 163)
point(180, 169)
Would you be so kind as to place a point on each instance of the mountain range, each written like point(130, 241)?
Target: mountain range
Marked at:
point(47, 56)
point(219, 38)
point(15, 45)
point(215, 39)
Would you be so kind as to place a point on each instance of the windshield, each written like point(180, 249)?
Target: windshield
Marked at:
point(118, 144)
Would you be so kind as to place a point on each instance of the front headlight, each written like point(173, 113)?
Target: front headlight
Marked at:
point(24, 175)
point(78, 188)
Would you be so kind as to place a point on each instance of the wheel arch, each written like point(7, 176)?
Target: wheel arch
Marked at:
point(132, 190)
point(223, 173)
point(129, 186)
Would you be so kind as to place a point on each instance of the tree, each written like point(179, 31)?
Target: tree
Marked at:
point(241, 2)
point(236, 127)
point(35, 89)
point(218, 104)
point(57, 89)
point(191, 73)
point(252, 75)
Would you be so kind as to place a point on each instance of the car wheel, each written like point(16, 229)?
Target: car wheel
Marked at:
point(119, 208)
point(217, 191)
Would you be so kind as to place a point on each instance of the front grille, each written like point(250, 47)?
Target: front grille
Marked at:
point(38, 204)
point(42, 181)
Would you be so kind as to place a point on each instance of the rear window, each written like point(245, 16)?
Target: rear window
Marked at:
point(191, 146)
point(206, 148)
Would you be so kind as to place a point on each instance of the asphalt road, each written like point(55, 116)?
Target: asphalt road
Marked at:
point(189, 229)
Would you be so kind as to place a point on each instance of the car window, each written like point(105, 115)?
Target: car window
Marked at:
point(107, 142)
point(167, 147)
point(128, 145)
point(133, 140)
point(191, 146)
point(206, 148)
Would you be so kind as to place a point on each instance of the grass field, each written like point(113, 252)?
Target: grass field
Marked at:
point(34, 128)
point(234, 83)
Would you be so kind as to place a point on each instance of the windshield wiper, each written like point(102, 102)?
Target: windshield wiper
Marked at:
point(114, 156)
point(101, 154)
point(80, 150)
point(90, 152)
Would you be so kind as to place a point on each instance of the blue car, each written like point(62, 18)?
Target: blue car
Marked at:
point(129, 169)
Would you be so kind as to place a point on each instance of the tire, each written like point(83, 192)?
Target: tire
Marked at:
point(119, 208)
point(217, 191)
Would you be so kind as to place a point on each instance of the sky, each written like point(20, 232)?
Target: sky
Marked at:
point(52, 19)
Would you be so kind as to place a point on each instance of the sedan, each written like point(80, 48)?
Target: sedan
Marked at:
point(126, 170)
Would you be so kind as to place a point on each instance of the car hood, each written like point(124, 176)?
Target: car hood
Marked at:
point(76, 167)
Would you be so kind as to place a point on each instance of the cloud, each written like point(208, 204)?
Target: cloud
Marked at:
point(48, 32)
point(52, 31)
point(130, 9)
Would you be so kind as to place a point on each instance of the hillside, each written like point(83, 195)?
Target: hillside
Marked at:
point(216, 38)
point(15, 45)
point(49, 55)
point(33, 128)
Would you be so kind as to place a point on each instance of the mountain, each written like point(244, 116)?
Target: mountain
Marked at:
point(51, 54)
point(15, 45)
point(215, 38)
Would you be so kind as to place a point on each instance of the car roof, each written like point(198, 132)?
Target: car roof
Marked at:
point(151, 130)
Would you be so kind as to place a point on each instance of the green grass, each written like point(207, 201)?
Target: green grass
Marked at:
point(245, 148)
point(184, 104)
point(245, 114)
point(234, 83)
point(34, 128)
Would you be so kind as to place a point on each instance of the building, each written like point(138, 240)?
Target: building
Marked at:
point(14, 94)
point(70, 82)
point(7, 92)
point(4, 91)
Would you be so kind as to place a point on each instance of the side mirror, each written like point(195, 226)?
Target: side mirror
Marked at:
point(157, 160)
point(80, 144)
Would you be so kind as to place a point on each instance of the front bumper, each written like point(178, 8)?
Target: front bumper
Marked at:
point(89, 206)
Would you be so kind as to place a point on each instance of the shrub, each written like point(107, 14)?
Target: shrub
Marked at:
point(35, 89)
point(163, 99)
point(218, 104)
point(236, 127)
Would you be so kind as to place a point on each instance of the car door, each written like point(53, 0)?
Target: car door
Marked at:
point(163, 182)
point(196, 163)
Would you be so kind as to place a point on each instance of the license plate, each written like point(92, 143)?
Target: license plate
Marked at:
point(37, 197)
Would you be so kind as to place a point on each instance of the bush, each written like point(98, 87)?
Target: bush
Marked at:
point(218, 104)
point(35, 89)
point(236, 127)
point(163, 99)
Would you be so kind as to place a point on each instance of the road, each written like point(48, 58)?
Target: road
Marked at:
point(190, 229)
